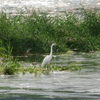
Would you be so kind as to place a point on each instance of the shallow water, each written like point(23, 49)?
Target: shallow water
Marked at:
point(75, 85)
point(13, 6)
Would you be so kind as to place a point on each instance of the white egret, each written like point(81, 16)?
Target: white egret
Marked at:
point(48, 58)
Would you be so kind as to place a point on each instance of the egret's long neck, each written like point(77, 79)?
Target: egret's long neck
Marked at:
point(51, 50)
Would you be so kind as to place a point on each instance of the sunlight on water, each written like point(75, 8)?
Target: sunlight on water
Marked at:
point(13, 6)
point(80, 85)
point(71, 85)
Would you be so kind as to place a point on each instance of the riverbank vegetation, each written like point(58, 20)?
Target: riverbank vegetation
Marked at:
point(80, 32)
point(10, 65)
point(39, 30)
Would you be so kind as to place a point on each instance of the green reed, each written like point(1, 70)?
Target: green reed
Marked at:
point(39, 30)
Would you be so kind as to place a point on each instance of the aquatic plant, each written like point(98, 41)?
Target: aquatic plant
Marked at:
point(39, 30)
point(8, 64)
point(92, 22)
point(48, 69)
point(10, 68)
point(84, 34)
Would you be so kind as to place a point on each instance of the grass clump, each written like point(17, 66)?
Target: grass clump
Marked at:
point(10, 68)
point(71, 67)
point(38, 70)
point(8, 65)
point(85, 35)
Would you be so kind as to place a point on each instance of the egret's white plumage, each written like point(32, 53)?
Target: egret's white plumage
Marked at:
point(48, 58)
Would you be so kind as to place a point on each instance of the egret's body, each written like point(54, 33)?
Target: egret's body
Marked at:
point(48, 58)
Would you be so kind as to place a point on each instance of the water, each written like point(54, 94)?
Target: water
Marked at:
point(13, 6)
point(76, 85)
point(64, 85)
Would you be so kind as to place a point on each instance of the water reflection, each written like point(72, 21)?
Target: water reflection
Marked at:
point(76, 85)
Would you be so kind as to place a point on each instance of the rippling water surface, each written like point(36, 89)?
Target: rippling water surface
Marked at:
point(13, 6)
point(75, 85)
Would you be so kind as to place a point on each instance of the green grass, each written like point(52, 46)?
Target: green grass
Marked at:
point(13, 68)
point(10, 65)
point(38, 31)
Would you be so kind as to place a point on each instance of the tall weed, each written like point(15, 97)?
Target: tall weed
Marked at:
point(38, 31)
